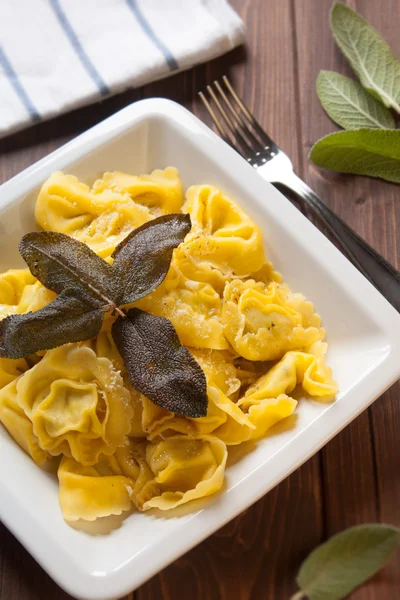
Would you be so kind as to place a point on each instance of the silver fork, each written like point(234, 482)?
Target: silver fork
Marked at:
point(238, 127)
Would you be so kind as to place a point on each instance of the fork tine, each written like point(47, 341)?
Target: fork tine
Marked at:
point(242, 126)
point(240, 140)
point(257, 127)
point(218, 124)
point(214, 117)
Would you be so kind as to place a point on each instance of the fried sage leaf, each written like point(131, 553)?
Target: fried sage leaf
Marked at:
point(61, 262)
point(158, 365)
point(141, 260)
point(66, 319)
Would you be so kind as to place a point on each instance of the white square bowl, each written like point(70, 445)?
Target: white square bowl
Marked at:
point(363, 334)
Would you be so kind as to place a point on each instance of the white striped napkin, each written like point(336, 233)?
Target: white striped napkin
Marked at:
point(56, 55)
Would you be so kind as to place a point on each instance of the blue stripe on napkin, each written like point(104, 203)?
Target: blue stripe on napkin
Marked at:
point(145, 25)
point(77, 46)
point(18, 87)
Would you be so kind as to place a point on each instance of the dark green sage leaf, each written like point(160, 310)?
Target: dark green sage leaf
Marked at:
point(61, 262)
point(142, 259)
point(158, 365)
point(66, 319)
point(344, 562)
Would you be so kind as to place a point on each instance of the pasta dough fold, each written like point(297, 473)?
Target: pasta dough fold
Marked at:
point(188, 298)
point(20, 292)
point(10, 369)
point(160, 192)
point(295, 368)
point(77, 403)
point(263, 322)
point(130, 460)
point(222, 233)
point(91, 492)
point(222, 392)
point(185, 469)
point(262, 414)
point(18, 425)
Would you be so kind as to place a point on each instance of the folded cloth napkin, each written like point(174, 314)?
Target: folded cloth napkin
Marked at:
point(56, 55)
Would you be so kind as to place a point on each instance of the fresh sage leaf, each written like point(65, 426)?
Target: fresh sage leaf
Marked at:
point(368, 54)
point(67, 319)
point(349, 105)
point(344, 562)
point(142, 259)
point(158, 365)
point(374, 152)
point(60, 262)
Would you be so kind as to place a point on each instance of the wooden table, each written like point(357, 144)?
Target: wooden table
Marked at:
point(356, 477)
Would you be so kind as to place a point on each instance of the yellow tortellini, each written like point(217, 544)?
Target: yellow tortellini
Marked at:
point(266, 402)
point(221, 410)
point(262, 322)
point(261, 416)
point(222, 390)
point(293, 369)
point(74, 407)
point(190, 297)
point(12, 285)
point(34, 297)
point(104, 346)
point(130, 460)
point(219, 369)
point(19, 425)
point(160, 475)
point(91, 492)
point(103, 215)
point(77, 403)
point(10, 369)
point(20, 292)
point(153, 416)
point(222, 234)
point(185, 468)
point(161, 191)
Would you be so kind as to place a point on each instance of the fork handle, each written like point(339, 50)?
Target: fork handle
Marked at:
point(371, 264)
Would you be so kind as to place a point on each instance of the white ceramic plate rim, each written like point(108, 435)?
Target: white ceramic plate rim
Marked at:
point(304, 444)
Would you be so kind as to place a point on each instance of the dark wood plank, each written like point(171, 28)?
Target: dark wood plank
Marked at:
point(20, 576)
point(358, 466)
point(385, 413)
